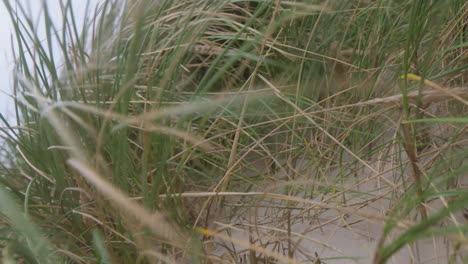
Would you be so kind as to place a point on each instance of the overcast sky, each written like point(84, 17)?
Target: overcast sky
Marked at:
point(6, 57)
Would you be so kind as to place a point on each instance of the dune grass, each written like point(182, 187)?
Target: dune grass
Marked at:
point(161, 129)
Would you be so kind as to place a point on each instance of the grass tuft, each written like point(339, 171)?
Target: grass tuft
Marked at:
point(237, 132)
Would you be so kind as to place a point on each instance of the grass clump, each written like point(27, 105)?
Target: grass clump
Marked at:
point(238, 132)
